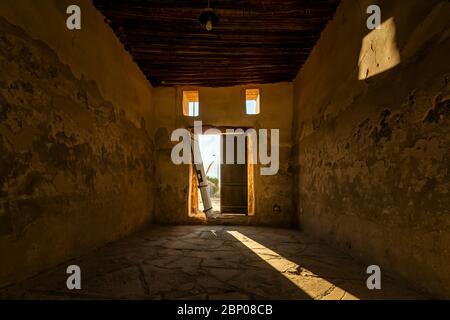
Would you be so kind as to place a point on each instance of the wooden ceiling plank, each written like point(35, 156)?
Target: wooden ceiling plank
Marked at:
point(256, 40)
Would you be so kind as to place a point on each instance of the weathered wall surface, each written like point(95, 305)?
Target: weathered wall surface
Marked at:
point(371, 128)
point(224, 107)
point(76, 149)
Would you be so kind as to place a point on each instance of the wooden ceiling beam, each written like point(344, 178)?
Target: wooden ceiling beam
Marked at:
point(256, 41)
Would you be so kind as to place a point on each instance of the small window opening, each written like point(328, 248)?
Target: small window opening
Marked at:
point(191, 104)
point(252, 101)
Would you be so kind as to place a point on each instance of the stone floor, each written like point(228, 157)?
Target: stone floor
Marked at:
point(212, 262)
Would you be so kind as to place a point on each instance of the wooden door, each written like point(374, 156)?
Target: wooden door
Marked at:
point(233, 183)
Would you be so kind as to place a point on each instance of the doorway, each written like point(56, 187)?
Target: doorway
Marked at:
point(230, 185)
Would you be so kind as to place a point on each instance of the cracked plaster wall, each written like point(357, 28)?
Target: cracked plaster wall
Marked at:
point(372, 155)
point(76, 147)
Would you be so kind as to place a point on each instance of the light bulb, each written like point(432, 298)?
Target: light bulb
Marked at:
point(209, 25)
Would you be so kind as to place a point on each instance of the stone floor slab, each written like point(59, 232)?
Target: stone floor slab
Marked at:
point(212, 262)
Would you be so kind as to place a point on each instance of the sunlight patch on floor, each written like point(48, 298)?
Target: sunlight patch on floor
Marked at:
point(299, 276)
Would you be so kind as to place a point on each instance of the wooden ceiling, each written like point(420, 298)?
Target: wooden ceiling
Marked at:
point(256, 41)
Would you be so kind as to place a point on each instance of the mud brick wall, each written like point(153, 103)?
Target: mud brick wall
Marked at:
point(224, 107)
point(373, 138)
point(76, 147)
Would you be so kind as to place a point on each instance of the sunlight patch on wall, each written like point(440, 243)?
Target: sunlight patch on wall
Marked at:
point(379, 51)
point(304, 279)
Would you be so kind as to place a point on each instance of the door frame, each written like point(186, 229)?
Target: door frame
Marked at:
point(193, 193)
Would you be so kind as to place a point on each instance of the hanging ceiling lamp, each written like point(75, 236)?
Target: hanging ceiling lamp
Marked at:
point(208, 18)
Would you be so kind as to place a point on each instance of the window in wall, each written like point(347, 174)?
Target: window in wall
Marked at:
point(252, 101)
point(191, 104)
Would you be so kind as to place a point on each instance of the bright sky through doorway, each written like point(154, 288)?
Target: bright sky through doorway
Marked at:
point(210, 150)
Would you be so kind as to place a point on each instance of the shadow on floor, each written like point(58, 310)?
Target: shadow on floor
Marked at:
point(209, 262)
point(320, 271)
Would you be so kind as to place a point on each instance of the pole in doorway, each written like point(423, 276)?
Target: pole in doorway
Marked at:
point(201, 175)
